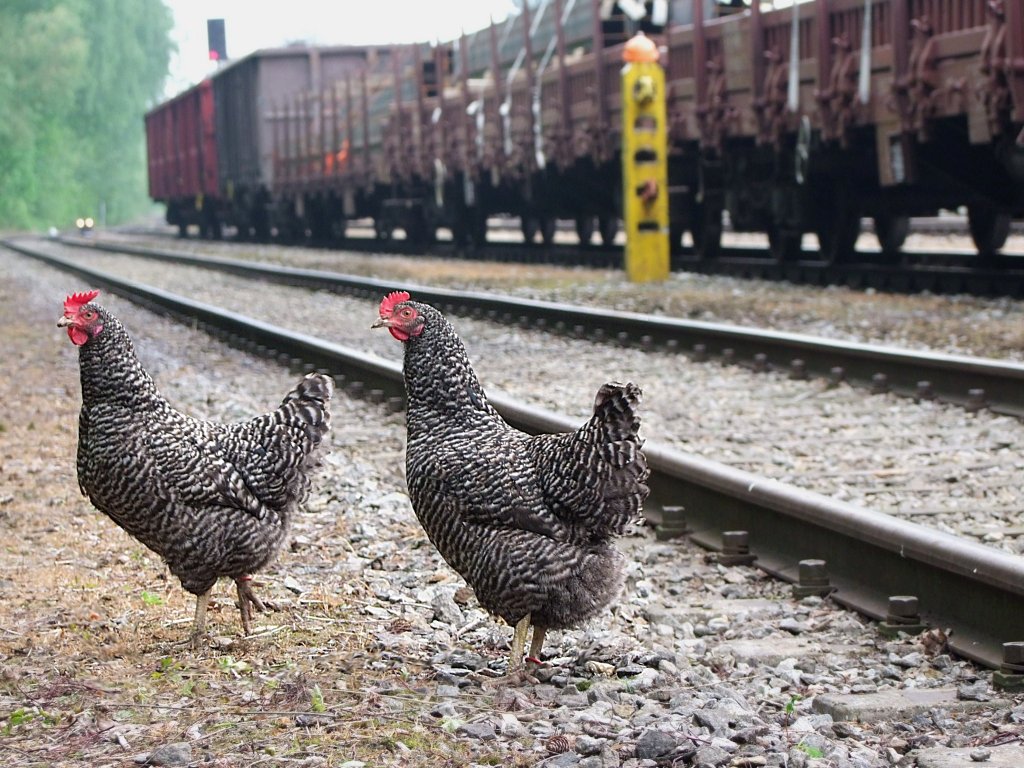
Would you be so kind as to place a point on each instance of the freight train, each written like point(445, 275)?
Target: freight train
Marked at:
point(800, 119)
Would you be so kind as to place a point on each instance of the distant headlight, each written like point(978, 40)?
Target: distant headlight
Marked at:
point(79, 223)
point(88, 222)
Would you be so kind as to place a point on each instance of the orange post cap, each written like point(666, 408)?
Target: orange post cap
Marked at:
point(640, 48)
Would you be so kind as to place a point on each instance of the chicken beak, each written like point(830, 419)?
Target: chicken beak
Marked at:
point(64, 322)
point(382, 322)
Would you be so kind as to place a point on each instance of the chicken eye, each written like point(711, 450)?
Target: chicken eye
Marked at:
point(407, 312)
point(88, 314)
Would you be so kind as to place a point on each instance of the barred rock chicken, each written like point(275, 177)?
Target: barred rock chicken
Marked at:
point(211, 499)
point(528, 521)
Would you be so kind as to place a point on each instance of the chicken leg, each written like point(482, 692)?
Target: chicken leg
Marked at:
point(519, 642)
point(199, 626)
point(536, 644)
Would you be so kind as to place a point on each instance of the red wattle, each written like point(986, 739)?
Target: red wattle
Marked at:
point(399, 334)
point(77, 335)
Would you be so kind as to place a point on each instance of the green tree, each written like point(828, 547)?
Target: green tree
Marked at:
point(76, 77)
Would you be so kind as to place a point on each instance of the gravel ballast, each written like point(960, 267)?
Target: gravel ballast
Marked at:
point(932, 463)
point(377, 655)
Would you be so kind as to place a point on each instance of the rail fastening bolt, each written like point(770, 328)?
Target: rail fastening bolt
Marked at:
point(622, 337)
point(903, 608)
point(924, 390)
point(395, 404)
point(1010, 675)
point(812, 579)
point(760, 362)
point(837, 374)
point(375, 396)
point(700, 353)
point(579, 331)
point(672, 345)
point(975, 400)
point(797, 369)
point(646, 341)
point(902, 616)
point(355, 388)
point(1013, 656)
point(673, 524)
point(735, 548)
point(879, 384)
point(728, 356)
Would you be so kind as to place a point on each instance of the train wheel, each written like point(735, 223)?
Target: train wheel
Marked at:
point(608, 228)
point(837, 230)
point(530, 226)
point(989, 228)
point(891, 231)
point(585, 227)
point(547, 229)
point(784, 245)
point(478, 230)
point(706, 228)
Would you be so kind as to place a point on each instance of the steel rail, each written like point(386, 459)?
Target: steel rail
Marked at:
point(959, 271)
point(965, 381)
point(972, 590)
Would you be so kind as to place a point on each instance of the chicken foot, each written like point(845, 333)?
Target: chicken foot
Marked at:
point(247, 601)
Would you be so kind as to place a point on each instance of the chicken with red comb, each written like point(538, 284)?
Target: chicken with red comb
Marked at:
point(211, 499)
point(527, 520)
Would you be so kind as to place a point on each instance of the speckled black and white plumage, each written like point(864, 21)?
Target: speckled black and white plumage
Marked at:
point(528, 521)
point(211, 499)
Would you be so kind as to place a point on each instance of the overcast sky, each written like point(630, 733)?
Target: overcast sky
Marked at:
point(251, 26)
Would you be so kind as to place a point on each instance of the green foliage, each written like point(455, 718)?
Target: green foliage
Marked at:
point(151, 598)
point(76, 77)
point(24, 716)
point(810, 751)
point(316, 699)
point(791, 704)
point(231, 666)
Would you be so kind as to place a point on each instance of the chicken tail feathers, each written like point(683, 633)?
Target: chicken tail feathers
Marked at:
point(616, 409)
point(596, 478)
point(309, 405)
point(615, 428)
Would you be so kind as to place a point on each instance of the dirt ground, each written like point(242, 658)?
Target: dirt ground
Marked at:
point(92, 669)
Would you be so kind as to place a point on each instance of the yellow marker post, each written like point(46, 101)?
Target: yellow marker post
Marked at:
point(644, 162)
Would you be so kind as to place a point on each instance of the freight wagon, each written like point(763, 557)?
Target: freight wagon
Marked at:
point(786, 121)
point(182, 160)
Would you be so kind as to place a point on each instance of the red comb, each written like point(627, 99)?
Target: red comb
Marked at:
point(387, 304)
point(76, 300)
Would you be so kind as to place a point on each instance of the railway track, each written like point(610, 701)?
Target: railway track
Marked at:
point(871, 557)
point(970, 382)
point(945, 272)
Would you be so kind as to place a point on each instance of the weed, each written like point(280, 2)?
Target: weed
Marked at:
point(316, 699)
point(810, 751)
